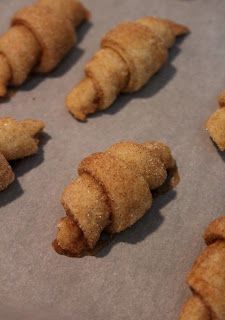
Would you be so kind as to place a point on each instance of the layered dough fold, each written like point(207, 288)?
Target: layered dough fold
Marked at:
point(112, 192)
point(18, 139)
point(38, 39)
point(207, 278)
point(130, 55)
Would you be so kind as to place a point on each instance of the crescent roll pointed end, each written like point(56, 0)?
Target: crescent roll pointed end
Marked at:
point(6, 174)
point(34, 127)
point(178, 29)
point(82, 100)
point(70, 239)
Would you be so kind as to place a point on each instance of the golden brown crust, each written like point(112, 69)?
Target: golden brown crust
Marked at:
point(21, 61)
point(5, 75)
point(215, 125)
point(130, 54)
point(216, 128)
point(177, 28)
point(143, 52)
point(56, 37)
point(70, 240)
point(71, 9)
point(126, 190)
point(215, 231)
point(112, 191)
point(82, 99)
point(221, 99)
point(90, 209)
point(18, 139)
point(39, 38)
point(6, 173)
point(207, 278)
point(195, 309)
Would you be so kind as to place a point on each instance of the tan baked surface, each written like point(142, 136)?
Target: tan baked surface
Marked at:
point(38, 39)
point(130, 54)
point(111, 193)
point(6, 173)
point(216, 123)
point(18, 139)
point(207, 278)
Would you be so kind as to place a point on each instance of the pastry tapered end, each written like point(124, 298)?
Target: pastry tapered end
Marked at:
point(195, 309)
point(6, 174)
point(34, 127)
point(215, 126)
point(5, 75)
point(70, 240)
point(178, 29)
point(82, 100)
point(221, 99)
point(82, 14)
point(215, 231)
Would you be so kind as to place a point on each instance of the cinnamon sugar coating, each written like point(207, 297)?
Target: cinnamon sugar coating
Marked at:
point(39, 38)
point(111, 193)
point(130, 54)
point(18, 139)
point(207, 278)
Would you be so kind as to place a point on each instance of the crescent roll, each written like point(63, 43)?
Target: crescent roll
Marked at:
point(18, 139)
point(130, 55)
point(39, 37)
point(207, 278)
point(112, 192)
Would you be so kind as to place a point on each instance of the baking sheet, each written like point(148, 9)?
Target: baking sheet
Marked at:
point(141, 273)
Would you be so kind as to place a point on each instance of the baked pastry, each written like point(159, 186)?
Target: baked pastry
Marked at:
point(216, 124)
point(18, 139)
point(6, 173)
point(38, 39)
point(130, 55)
point(112, 192)
point(207, 278)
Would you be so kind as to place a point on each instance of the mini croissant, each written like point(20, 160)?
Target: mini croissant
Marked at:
point(38, 39)
point(18, 139)
point(216, 124)
point(130, 55)
point(111, 193)
point(207, 278)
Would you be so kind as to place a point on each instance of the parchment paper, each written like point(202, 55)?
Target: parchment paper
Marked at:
point(141, 274)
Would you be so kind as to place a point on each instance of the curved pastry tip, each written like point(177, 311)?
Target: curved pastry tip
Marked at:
point(6, 174)
point(178, 29)
point(70, 240)
point(82, 100)
point(194, 308)
point(33, 126)
point(221, 99)
point(215, 231)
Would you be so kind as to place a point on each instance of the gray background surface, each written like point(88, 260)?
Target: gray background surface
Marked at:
point(140, 275)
